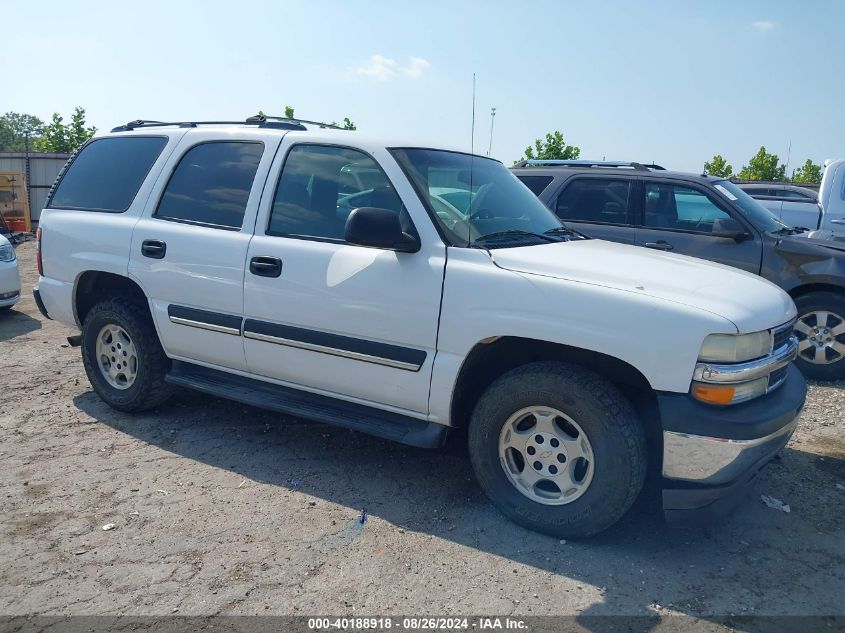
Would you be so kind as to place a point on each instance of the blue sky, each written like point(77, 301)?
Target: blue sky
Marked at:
point(672, 82)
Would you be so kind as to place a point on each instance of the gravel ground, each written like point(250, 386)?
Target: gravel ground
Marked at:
point(222, 509)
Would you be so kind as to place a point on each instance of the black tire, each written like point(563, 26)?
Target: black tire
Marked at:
point(5, 308)
point(149, 388)
point(829, 302)
point(608, 420)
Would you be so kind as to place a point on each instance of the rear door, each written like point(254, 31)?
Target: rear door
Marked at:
point(681, 217)
point(598, 206)
point(189, 247)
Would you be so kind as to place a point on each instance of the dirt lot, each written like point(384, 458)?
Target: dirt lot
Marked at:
point(224, 509)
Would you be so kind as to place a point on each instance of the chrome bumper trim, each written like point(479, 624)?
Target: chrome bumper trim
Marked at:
point(742, 372)
point(715, 460)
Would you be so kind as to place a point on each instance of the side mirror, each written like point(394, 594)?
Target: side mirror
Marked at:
point(729, 228)
point(379, 228)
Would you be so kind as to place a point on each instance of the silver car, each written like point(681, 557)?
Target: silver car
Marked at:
point(10, 280)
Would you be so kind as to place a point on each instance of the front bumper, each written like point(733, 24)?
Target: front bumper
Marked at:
point(10, 284)
point(712, 455)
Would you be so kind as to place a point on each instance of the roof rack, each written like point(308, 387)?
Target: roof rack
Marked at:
point(259, 120)
point(583, 163)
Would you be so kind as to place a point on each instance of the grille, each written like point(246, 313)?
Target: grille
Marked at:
point(782, 334)
point(777, 377)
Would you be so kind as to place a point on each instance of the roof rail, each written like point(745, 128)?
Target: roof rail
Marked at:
point(582, 163)
point(260, 120)
point(270, 120)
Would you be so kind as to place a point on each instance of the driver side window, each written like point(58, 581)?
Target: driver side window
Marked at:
point(669, 206)
point(319, 187)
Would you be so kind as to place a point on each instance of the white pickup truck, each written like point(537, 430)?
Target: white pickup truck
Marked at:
point(326, 275)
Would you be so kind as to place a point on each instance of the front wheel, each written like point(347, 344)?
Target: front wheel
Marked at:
point(558, 449)
point(122, 356)
point(821, 335)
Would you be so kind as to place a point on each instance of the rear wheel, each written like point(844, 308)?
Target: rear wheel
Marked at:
point(558, 449)
point(821, 335)
point(122, 356)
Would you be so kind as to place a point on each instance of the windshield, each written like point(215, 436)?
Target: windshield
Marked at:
point(476, 199)
point(759, 215)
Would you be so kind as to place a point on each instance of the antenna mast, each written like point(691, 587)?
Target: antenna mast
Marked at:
point(492, 117)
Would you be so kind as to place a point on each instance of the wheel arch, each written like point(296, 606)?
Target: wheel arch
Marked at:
point(819, 286)
point(491, 358)
point(94, 285)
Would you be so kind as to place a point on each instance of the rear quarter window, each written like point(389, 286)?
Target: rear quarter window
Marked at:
point(107, 173)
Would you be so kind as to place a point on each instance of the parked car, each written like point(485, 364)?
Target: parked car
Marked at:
point(10, 281)
point(228, 259)
point(711, 218)
point(823, 213)
point(792, 205)
point(832, 199)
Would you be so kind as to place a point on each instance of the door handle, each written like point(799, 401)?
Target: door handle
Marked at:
point(837, 221)
point(265, 266)
point(154, 249)
point(659, 245)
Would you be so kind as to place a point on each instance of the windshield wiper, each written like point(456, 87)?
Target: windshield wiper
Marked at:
point(514, 233)
point(565, 230)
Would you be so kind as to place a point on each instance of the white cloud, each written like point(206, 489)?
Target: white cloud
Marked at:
point(383, 68)
point(763, 25)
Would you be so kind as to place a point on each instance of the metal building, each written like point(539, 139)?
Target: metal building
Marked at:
point(40, 171)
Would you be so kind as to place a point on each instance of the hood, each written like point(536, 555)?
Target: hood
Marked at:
point(748, 301)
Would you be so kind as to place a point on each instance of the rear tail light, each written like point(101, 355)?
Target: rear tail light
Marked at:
point(38, 251)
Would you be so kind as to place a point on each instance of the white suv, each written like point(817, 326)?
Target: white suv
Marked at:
point(405, 292)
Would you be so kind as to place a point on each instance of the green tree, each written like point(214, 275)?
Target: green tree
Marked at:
point(61, 138)
point(348, 124)
point(288, 112)
point(763, 166)
point(14, 129)
point(554, 147)
point(718, 166)
point(809, 173)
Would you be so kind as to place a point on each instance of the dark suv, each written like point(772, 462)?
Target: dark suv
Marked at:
point(707, 217)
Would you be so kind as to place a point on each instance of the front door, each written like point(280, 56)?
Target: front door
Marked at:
point(350, 321)
point(682, 218)
point(189, 247)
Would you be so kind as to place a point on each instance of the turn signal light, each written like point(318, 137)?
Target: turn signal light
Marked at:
point(714, 394)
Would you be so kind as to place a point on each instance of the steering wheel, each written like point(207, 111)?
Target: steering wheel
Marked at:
point(446, 212)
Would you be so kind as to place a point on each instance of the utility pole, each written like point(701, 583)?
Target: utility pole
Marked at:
point(492, 119)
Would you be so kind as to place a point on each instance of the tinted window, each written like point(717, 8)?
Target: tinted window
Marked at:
point(107, 173)
point(321, 185)
point(536, 183)
point(669, 206)
point(211, 184)
point(595, 200)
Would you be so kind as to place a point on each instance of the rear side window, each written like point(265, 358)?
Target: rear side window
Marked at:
point(211, 184)
point(600, 200)
point(536, 183)
point(107, 173)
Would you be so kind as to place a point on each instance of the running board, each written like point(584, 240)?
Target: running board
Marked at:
point(257, 393)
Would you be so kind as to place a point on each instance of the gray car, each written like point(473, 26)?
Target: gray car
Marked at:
point(792, 205)
point(711, 218)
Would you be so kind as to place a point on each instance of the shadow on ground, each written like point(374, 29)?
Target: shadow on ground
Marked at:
point(14, 323)
point(640, 562)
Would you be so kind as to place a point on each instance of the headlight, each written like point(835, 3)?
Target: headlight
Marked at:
point(7, 253)
point(735, 348)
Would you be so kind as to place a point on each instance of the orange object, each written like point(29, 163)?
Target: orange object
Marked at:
point(14, 201)
point(714, 394)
